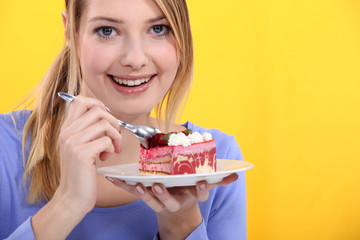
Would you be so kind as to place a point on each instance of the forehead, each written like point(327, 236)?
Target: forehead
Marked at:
point(126, 10)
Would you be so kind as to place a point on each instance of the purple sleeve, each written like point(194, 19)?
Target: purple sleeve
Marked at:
point(15, 219)
point(199, 233)
point(24, 231)
point(228, 217)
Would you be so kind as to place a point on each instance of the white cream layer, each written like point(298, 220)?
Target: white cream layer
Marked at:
point(178, 139)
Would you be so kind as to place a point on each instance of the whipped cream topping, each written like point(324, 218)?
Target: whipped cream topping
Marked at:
point(207, 136)
point(195, 138)
point(179, 139)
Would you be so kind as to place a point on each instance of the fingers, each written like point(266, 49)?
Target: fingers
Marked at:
point(103, 144)
point(147, 196)
point(162, 199)
point(202, 190)
point(99, 136)
point(104, 156)
point(93, 115)
point(168, 200)
point(123, 185)
point(80, 105)
point(87, 121)
point(229, 179)
point(157, 197)
point(226, 181)
point(100, 129)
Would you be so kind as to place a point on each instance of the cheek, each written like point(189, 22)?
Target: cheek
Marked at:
point(167, 61)
point(93, 59)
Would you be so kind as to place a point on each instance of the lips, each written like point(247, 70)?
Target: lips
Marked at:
point(131, 84)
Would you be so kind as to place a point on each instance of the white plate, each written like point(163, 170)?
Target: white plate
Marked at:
point(130, 174)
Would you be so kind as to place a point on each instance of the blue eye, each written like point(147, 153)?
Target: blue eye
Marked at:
point(160, 29)
point(106, 32)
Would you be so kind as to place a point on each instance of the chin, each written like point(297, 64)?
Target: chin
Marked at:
point(133, 107)
point(131, 111)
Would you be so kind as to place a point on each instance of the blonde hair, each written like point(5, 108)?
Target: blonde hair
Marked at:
point(43, 166)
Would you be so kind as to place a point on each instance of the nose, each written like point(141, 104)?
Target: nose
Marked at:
point(134, 55)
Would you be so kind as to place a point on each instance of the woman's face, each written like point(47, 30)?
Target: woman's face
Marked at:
point(127, 54)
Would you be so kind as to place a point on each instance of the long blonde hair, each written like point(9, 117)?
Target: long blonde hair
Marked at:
point(42, 168)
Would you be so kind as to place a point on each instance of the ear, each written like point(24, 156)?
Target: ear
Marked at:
point(65, 22)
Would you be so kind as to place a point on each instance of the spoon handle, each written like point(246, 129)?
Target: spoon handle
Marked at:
point(67, 97)
point(126, 125)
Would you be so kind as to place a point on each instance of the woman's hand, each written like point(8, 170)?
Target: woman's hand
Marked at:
point(88, 133)
point(177, 208)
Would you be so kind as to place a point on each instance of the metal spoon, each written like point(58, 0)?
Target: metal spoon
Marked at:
point(143, 133)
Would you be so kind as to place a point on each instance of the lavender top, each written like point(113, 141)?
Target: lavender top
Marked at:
point(224, 213)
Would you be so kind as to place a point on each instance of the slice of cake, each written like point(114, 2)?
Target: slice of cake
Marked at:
point(178, 153)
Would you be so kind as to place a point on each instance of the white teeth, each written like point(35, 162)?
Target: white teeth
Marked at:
point(131, 82)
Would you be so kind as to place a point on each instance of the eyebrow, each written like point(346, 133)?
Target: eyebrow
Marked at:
point(115, 20)
point(152, 20)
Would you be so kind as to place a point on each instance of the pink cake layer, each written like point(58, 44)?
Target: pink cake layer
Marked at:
point(196, 158)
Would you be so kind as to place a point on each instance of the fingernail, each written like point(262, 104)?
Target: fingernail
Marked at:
point(158, 189)
point(202, 186)
point(107, 109)
point(110, 179)
point(139, 190)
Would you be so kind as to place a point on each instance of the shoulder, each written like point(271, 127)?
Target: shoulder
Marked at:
point(226, 145)
point(12, 124)
point(11, 132)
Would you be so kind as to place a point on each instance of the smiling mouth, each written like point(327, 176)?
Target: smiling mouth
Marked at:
point(131, 83)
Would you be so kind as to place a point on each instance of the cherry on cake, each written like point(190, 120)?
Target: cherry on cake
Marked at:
point(176, 153)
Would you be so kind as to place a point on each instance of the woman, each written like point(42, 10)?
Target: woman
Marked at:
point(122, 58)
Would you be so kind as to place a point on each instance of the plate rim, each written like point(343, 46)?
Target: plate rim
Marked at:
point(248, 166)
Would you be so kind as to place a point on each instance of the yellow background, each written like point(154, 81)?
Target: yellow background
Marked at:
point(281, 75)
